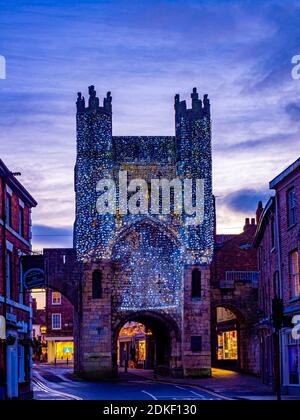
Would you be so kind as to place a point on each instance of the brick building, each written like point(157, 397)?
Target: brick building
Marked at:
point(39, 332)
point(278, 244)
point(265, 242)
point(59, 327)
point(15, 311)
point(234, 282)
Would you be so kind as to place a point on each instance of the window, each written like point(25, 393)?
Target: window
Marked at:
point(196, 284)
point(291, 207)
point(196, 343)
point(56, 298)
point(8, 209)
point(9, 274)
point(294, 273)
point(276, 284)
point(21, 363)
point(56, 321)
point(97, 286)
point(21, 221)
point(292, 353)
point(273, 233)
point(228, 345)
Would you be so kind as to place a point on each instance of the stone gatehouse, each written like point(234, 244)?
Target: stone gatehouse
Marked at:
point(150, 268)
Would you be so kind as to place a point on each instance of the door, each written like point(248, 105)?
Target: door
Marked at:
point(12, 369)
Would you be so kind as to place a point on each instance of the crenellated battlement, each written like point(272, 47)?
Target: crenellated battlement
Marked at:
point(199, 108)
point(93, 102)
point(100, 155)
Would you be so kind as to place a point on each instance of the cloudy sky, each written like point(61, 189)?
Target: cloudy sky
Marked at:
point(239, 52)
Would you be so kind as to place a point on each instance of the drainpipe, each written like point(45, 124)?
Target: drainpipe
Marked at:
point(280, 287)
point(4, 275)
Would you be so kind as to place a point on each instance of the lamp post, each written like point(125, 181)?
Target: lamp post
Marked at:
point(277, 319)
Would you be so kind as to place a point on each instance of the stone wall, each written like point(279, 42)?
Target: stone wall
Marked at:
point(196, 323)
point(95, 354)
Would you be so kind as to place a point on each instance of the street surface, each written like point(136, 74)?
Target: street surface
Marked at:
point(58, 383)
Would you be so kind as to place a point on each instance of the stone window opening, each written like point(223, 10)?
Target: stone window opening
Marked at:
point(97, 284)
point(196, 284)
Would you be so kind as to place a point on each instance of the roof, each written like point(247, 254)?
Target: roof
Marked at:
point(262, 221)
point(284, 174)
point(15, 185)
point(145, 149)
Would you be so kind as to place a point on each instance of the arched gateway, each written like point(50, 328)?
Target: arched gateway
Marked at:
point(149, 266)
point(145, 260)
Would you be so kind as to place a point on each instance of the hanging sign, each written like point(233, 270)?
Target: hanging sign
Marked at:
point(33, 267)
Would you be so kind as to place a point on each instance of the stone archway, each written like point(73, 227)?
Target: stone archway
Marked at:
point(232, 324)
point(167, 339)
point(148, 269)
point(147, 288)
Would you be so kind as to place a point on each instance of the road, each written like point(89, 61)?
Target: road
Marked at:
point(58, 383)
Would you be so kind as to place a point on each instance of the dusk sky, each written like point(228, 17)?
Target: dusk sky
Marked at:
point(144, 52)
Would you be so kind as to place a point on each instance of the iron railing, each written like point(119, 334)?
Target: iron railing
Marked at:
point(233, 277)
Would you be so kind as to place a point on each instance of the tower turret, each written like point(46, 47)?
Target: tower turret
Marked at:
point(94, 162)
point(194, 161)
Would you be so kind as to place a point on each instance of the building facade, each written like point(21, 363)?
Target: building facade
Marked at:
point(39, 333)
point(278, 245)
point(15, 233)
point(147, 265)
point(234, 300)
point(59, 328)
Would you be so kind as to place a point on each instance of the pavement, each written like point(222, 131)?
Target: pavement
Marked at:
point(59, 383)
point(229, 384)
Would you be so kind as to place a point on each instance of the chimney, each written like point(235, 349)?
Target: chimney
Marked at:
point(247, 224)
point(253, 222)
point(259, 211)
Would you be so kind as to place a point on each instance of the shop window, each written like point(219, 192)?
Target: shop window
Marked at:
point(97, 286)
point(56, 298)
point(56, 321)
point(227, 345)
point(64, 350)
point(196, 284)
point(293, 349)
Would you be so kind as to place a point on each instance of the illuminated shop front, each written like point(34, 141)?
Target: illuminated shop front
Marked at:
point(227, 338)
point(135, 345)
point(291, 362)
point(228, 345)
point(60, 349)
